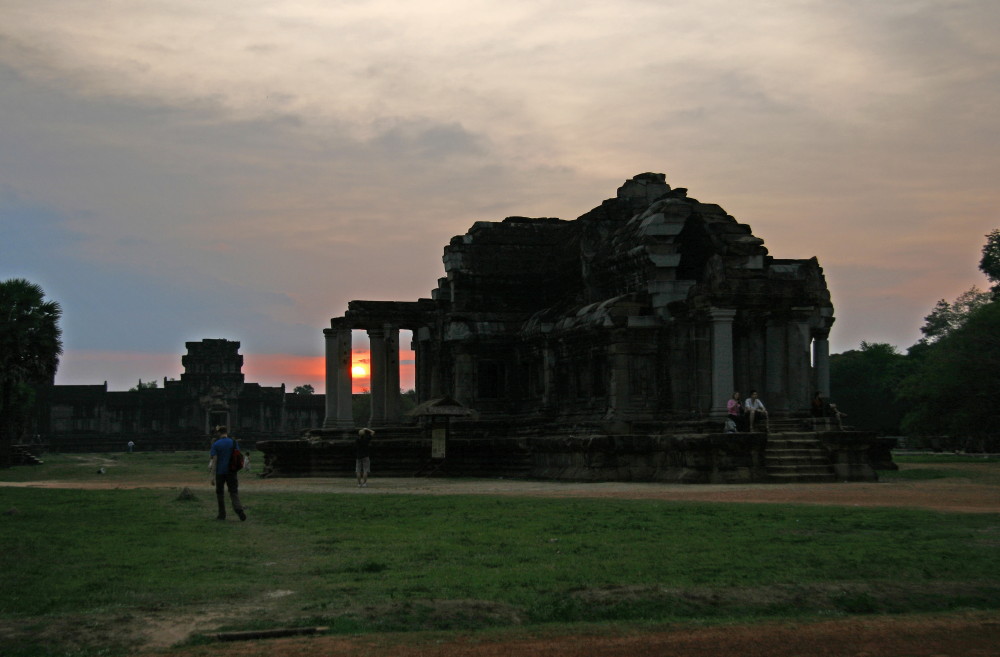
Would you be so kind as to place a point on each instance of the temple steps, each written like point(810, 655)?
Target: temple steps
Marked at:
point(794, 458)
point(23, 456)
point(786, 425)
point(797, 458)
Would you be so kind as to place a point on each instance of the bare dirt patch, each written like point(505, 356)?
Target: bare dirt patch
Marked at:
point(966, 635)
point(980, 493)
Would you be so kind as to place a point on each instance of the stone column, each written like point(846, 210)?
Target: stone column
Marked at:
point(548, 376)
point(393, 403)
point(435, 375)
point(618, 384)
point(774, 394)
point(821, 362)
point(338, 376)
point(722, 359)
point(464, 379)
point(377, 369)
point(753, 376)
point(799, 379)
point(428, 365)
point(419, 381)
point(283, 416)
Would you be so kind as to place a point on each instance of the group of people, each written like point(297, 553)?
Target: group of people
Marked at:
point(749, 415)
point(746, 415)
point(820, 408)
point(223, 477)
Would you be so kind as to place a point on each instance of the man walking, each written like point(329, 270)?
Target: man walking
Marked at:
point(222, 476)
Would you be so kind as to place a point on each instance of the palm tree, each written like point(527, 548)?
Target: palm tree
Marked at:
point(30, 346)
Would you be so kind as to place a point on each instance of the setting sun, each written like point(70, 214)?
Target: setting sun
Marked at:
point(359, 370)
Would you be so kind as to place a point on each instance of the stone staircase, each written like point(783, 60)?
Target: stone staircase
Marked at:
point(22, 456)
point(797, 457)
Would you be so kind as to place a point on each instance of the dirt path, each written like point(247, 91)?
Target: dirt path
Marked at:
point(956, 635)
point(973, 495)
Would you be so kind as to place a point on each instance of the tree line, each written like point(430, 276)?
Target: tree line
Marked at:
point(941, 393)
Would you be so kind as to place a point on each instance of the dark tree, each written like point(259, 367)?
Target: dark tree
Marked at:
point(952, 393)
point(946, 317)
point(306, 389)
point(990, 262)
point(30, 346)
point(956, 366)
point(864, 383)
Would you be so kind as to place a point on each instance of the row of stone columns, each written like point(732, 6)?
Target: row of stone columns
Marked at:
point(386, 406)
point(789, 383)
point(789, 380)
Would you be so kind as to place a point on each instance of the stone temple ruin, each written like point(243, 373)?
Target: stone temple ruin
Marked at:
point(602, 348)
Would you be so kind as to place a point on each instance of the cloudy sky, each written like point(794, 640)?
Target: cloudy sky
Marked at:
point(173, 170)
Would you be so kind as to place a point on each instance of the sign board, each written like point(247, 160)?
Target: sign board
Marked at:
point(438, 439)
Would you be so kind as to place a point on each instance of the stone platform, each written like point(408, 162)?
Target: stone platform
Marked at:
point(674, 458)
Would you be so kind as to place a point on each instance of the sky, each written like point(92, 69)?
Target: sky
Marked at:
point(176, 170)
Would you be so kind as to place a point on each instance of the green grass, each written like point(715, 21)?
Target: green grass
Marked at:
point(117, 466)
point(914, 467)
point(901, 457)
point(381, 562)
point(924, 474)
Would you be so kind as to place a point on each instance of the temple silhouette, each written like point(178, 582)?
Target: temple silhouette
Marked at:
point(651, 308)
point(604, 347)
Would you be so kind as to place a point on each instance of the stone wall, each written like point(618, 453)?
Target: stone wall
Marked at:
point(716, 458)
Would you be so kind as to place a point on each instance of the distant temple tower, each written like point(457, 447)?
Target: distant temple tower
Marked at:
point(214, 368)
point(211, 391)
point(213, 362)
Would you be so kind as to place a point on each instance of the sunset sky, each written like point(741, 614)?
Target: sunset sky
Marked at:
point(174, 170)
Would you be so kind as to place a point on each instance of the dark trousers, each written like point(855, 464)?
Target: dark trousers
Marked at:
point(741, 421)
point(230, 480)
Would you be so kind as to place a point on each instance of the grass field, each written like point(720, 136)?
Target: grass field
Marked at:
point(87, 561)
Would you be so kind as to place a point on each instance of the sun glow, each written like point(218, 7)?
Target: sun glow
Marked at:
point(359, 370)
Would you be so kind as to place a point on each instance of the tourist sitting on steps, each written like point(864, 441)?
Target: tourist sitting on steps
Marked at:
point(734, 408)
point(756, 410)
point(837, 415)
point(818, 407)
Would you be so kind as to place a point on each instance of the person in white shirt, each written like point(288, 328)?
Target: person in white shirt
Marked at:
point(755, 408)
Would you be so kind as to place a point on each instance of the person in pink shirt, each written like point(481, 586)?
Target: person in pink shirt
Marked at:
point(735, 409)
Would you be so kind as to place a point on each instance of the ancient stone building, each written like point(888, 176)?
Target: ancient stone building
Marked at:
point(212, 390)
point(650, 309)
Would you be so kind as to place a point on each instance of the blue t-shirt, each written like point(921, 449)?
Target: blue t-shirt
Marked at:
point(223, 449)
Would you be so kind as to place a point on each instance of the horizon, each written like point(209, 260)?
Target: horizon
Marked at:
point(271, 370)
